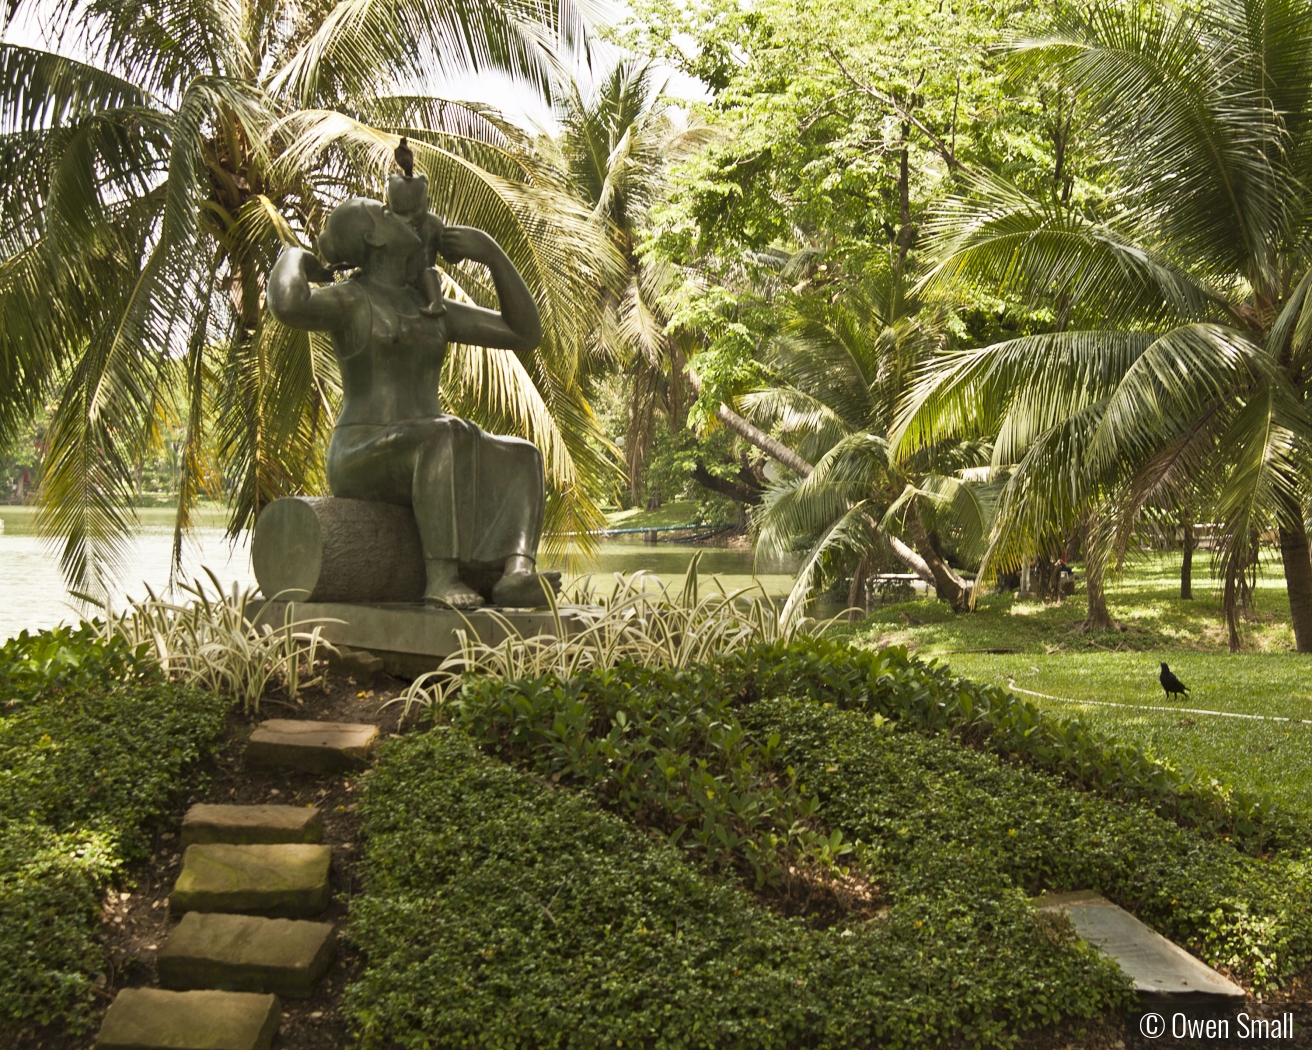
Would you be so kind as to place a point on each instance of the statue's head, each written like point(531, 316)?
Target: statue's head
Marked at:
point(359, 226)
point(408, 197)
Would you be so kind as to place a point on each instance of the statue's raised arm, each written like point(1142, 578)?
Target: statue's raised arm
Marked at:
point(477, 498)
point(298, 305)
point(517, 326)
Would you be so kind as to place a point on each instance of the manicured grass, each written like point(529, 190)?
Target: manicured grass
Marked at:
point(1121, 667)
point(18, 518)
point(1268, 756)
point(1145, 599)
point(672, 512)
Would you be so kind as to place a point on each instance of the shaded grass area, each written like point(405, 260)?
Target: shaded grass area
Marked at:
point(1121, 667)
point(1145, 599)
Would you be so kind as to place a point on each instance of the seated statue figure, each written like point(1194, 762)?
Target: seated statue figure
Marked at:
point(477, 497)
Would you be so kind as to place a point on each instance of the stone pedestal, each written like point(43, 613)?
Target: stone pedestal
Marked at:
point(411, 638)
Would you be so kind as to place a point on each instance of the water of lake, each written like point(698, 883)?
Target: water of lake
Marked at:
point(33, 596)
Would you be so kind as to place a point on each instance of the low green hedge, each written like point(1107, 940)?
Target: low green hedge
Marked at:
point(932, 699)
point(687, 754)
point(500, 911)
point(932, 811)
point(92, 743)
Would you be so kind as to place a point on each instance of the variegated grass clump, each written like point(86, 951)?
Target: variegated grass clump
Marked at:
point(220, 641)
point(641, 619)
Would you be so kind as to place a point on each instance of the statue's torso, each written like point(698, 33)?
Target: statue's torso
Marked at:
point(391, 358)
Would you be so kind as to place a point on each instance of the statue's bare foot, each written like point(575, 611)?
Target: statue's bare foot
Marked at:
point(524, 590)
point(455, 596)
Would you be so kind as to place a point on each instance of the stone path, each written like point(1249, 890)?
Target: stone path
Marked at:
point(251, 878)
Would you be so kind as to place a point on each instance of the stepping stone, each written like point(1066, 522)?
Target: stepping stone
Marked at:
point(246, 953)
point(249, 825)
point(150, 1019)
point(1161, 970)
point(288, 880)
point(310, 747)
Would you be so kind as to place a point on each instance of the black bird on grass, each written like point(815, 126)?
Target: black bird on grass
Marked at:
point(1170, 683)
point(405, 159)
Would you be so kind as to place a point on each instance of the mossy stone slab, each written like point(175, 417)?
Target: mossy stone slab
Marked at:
point(286, 880)
point(247, 953)
point(1162, 971)
point(152, 1019)
point(311, 747)
point(251, 825)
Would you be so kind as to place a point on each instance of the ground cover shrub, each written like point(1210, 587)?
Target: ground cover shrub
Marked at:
point(891, 683)
point(931, 813)
point(686, 753)
point(667, 749)
point(92, 743)
point(501, 911)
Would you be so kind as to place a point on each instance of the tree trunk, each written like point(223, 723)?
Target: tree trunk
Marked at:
point(1230, 605)
point(1187, 566)
point(755, 435)
point(1097, 618)
point(951, 588)
point(1095, 567)
point(857, 592)
point(1298, 582)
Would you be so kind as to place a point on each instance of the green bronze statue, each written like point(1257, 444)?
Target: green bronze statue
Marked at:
point(477, 497)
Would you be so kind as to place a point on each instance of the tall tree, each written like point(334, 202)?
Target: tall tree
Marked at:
point(618, 142)
point(1188, 351)
point(148, 190)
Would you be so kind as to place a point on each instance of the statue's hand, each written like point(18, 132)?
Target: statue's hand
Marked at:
point(463, 242)
point(316, 272)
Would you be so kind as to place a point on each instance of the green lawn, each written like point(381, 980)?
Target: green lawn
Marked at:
point(1077, 673)
point(671, 512)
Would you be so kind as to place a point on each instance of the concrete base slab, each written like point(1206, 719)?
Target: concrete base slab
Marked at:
point(311, 747)
point(287, 880)
point(245, 953)
point(151, 1019)
point(360, 664)
point(249, 825)
point(1161, 970)
point(411, 639)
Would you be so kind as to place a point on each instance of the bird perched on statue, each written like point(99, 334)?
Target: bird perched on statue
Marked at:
point(405, 159)
point(1170, 683)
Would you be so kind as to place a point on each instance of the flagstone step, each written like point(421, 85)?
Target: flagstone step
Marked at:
point(247, 953)
point(251, 825)
point(1161, 970)
point(151, 1019)
point(310, 747)
point(287, 880)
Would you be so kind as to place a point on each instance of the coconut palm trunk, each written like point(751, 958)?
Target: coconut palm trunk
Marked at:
point(950, 587)
point(1298, 581)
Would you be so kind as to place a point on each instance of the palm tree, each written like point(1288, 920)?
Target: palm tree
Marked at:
point(617, 144)
point(843, 355)
point(1183, 341)
point(148, 190)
